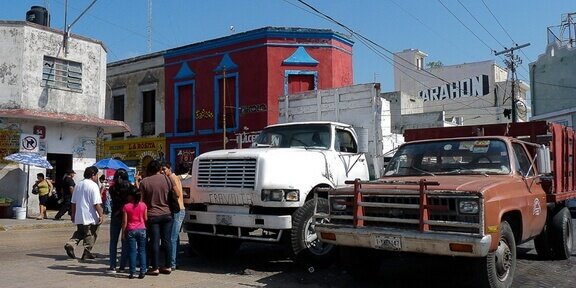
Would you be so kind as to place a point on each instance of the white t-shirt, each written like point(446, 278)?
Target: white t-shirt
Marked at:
point(86, 195)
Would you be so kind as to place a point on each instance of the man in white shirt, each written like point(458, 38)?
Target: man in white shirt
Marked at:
point(87, 213)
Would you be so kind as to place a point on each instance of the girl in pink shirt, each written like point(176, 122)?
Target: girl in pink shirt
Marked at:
point(134, 230)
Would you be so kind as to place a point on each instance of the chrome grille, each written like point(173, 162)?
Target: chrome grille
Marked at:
point(227, 173)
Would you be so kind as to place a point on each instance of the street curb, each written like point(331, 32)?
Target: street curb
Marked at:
point(34, 226)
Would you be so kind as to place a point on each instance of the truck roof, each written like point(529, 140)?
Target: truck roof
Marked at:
point(311, 122)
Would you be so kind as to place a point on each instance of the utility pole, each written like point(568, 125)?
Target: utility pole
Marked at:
point(149, 27)
point(224, 106)
point(512, 62)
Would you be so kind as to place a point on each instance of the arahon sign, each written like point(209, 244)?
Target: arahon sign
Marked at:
point(471, 87)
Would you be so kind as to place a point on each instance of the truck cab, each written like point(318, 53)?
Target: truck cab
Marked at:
point(264, 193)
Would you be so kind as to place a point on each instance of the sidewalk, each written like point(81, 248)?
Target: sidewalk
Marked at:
point(7, 224)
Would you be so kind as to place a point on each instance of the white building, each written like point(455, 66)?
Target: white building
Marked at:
point(475, 93)
point(59, 96)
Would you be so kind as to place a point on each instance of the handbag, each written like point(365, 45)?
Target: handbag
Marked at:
point(35, 189)
point(172, 201)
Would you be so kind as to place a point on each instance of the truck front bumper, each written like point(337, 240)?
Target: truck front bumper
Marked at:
point(235, 225)
point(405, 240)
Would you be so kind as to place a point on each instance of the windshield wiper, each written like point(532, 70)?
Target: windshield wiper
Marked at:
point(422, 171)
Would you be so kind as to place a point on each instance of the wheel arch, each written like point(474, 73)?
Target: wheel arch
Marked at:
point(321, 194)
point(514, 218)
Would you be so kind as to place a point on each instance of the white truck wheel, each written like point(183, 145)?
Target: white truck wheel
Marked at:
point(306, 246)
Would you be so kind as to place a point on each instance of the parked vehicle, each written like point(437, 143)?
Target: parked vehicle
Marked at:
point(264, 193)
point(468, 191)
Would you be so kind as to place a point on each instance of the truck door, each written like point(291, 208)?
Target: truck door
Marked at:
point(353, 164)
point(535, 198)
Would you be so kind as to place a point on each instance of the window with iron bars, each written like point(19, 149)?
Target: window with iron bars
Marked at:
point(62, 74)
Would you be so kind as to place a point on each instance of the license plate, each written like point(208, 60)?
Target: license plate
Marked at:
point(224, 220)
point(385, 242)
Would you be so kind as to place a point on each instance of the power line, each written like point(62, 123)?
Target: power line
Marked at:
point(365, 41)
point(450, 11)
point(476, 19)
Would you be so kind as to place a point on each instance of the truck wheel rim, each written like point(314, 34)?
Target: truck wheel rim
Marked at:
point(503, 260)
point(314, 245)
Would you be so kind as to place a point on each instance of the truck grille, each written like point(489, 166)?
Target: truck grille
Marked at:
point(227, 173)
point(392, 209)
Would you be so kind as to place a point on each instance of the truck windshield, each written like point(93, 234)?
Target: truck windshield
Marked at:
point(477, 156)
point(307, 136)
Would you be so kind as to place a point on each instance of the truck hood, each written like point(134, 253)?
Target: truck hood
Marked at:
point(253, 152)
point(475, 183)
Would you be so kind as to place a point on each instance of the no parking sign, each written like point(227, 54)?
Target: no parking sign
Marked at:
point(29, 143)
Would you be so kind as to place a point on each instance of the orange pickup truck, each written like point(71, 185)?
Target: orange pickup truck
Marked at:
point(467, 191)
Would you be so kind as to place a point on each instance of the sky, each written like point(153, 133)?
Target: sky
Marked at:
point(450, 31)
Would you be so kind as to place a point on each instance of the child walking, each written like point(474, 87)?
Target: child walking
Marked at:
point(134, 229)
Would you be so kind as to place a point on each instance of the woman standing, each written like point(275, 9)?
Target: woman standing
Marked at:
point(118, 192)
point(44, 188)
point(155, 187)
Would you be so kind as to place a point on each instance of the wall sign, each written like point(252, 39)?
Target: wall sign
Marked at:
point(40, 131)
point(29, 143)
point(471, 87)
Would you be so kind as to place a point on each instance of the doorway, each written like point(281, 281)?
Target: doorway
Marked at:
point(60, 164)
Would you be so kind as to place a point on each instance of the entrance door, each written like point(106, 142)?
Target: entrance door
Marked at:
point(60, 164)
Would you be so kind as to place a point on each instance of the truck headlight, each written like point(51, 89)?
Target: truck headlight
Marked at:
point(290, 195)
point(468, 207)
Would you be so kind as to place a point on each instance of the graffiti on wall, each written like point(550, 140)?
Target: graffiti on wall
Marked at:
point(80, 148)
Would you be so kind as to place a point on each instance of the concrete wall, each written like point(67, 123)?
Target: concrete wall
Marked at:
point(130, 78)
point(22, 57)
point(23, 46)
point(429, 83)
point(553, 78)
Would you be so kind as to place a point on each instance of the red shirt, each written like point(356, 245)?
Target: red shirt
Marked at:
point(135, 214)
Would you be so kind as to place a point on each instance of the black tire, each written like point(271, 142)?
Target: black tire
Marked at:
point(307, 249)
point(213, 247)
point(542, 244)
point(497, 269)
point(360, 263)
point(561, 234)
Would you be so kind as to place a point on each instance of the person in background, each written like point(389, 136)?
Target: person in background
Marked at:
point(107, 206)
point(155, 189)
point(134, 217)
point(177, 217)
point(44, 189)
point(67, 190)
point(87, 214)
point(119, 189)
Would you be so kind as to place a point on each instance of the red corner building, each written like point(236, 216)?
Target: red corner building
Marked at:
point(233, 84)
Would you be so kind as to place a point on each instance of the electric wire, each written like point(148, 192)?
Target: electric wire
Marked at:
point(412, 68)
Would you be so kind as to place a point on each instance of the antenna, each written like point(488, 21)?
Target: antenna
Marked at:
point(149, 26)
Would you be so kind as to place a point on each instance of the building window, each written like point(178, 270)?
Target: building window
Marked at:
point(118, 111)
point(183, 108)
point(227, 101)
point(299, 81)
point(419, 63)
point(148, 112)
point(62, 74)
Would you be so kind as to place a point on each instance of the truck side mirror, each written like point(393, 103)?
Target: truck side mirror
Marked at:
point(543, 159)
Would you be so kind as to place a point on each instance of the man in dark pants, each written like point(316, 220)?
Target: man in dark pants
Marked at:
point(67, 189)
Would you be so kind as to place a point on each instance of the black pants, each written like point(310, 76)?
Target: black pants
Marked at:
point(65, 207)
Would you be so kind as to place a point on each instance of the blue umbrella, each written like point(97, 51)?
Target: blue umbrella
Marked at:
point(29, 158)
point(111, 163)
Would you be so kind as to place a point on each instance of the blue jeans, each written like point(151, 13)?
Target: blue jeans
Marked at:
point(137, 242)
point(159, 228)
point(115, 230)
point(178, 218)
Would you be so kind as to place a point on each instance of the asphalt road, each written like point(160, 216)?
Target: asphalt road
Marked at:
point(36, 258)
